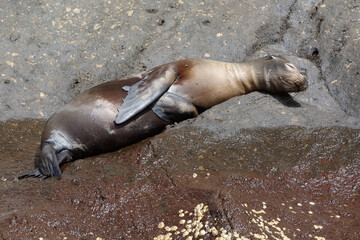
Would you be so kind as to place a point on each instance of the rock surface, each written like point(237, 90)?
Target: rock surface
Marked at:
point(52, 50)
point(283, 183)
point(262, 165)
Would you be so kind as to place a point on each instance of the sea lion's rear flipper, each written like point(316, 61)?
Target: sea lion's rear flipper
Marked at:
point(173, 108)
point(154, 83)
point(49, 163)
point(35, 173)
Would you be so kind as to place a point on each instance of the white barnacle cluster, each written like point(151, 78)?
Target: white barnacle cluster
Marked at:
point(189, 228)
point(270, 229)
point(192, 225)
point(196, 228)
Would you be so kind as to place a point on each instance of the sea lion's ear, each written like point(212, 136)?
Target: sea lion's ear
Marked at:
point(290, 66)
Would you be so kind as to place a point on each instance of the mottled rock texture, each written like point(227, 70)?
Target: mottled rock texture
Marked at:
point(52, 50)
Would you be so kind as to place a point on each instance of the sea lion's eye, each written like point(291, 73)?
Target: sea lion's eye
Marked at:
point(290, 66)
point(269, 57)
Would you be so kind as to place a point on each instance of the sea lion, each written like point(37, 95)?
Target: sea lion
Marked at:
point(121, 112)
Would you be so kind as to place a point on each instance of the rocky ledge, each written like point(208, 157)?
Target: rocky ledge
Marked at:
point(258, 166)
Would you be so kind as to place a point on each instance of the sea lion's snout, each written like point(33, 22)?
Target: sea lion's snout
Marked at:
point(303, 72)
point(302, 81)
point(297, 82)
point(306, 83)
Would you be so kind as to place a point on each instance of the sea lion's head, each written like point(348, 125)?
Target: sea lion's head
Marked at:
point(279, 75)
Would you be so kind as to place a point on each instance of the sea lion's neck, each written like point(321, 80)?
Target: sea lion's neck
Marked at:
point(246, 77)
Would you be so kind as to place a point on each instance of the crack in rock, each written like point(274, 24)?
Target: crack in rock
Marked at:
point(224, 211)
point(286, 25)
point(168, 176)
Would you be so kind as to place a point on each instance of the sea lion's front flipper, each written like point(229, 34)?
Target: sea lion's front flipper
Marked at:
point(154, 83)
point(173, 108)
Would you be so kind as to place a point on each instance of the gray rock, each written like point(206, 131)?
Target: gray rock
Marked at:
point(53, 51)
point(328, 34)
